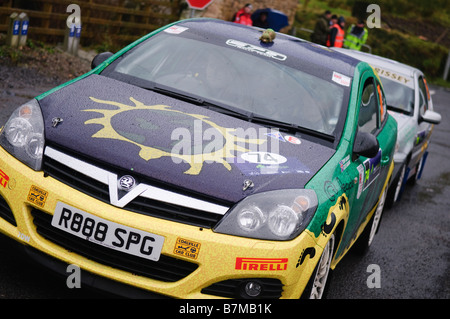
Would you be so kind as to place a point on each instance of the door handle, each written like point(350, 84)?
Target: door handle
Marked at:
point(384, 160)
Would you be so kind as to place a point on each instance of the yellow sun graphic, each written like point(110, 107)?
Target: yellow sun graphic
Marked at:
point(224, 156)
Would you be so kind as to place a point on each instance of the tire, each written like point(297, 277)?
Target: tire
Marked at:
point(365, 240)
point(395, 191)
point(318, 284)
point(414, 178)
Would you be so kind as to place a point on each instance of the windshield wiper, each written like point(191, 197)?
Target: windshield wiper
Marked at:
point(397, 109)
point(228, 110)
point(176, 94)
point(291, 127)
point(207, 104)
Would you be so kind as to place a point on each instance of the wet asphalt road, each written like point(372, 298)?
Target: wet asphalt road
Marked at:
point(411, 250)
point(412, 247)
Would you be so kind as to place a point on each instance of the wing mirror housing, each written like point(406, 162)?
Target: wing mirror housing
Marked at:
point(431, 117)
point(366, 144)
point(100, 58)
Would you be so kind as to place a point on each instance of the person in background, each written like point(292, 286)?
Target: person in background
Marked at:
point(243, 16)
point(322, 29)
point(356, 36)
point(261, 20)
point(336, 36)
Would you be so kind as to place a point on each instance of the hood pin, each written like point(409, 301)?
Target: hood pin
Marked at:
point(56, 121)
point(247, 184)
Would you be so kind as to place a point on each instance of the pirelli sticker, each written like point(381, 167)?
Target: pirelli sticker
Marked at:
point(261, 264)
point(187, 248)
point(37, 196)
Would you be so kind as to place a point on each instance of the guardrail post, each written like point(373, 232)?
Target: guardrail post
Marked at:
point(13, 30)
point(25, 22)
point(76, 40)
point(69, 38)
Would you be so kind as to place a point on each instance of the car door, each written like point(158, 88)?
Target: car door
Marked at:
point(369, 174)
point(423, 128)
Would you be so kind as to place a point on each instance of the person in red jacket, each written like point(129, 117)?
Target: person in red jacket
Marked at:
point(243, 16)
point(336, 36)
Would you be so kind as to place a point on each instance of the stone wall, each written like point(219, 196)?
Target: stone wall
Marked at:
point(225, 9)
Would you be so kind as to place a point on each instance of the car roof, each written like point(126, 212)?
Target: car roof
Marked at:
point(382, 62)
point(284, 44)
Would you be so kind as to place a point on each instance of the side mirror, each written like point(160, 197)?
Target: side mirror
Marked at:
point(366, 144)
point(100, 58)
point(431, 117)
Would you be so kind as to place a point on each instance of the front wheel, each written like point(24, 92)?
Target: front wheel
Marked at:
point(367, 236)
point(319, 281)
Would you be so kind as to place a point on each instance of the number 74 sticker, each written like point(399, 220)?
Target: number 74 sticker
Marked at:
point(263, 158)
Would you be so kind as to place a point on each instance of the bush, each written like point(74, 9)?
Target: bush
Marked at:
point(424, 55)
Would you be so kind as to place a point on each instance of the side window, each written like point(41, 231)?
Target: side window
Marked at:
point(368, 119)
point(423, 96)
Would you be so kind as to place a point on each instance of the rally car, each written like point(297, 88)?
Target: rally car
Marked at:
point(201, 162)
point(409, 102)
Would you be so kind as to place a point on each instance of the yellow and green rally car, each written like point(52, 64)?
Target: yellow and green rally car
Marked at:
point(201, 162)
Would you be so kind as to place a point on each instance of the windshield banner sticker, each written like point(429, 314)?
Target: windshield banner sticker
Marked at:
point(256, 49)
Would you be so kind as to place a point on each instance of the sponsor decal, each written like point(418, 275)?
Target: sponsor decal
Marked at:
point(175, 29)
point(261, 264)
point(276, 135)
point(37, 196)
point(187, 248)
point(3, 178)
point(371, 169)
point(287, 138)
point(341, 79)
point(344, 163)
point(368, 172)
point(360, 169)
point(292, 139)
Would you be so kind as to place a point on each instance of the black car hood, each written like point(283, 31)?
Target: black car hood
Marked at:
point(148, 134)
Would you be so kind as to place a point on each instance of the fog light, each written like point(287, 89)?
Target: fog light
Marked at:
point(253, 289)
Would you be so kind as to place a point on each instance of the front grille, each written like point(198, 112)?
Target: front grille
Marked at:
point(6, 213)
point(166, 269)
point(234, 288)
point(139, 205)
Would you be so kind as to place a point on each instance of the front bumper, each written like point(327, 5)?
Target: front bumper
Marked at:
point(29, 200)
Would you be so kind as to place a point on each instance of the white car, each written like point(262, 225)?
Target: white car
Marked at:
point(409, 101)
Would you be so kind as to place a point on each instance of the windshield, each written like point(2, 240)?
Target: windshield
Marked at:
point(232, 77)
point(399, 97)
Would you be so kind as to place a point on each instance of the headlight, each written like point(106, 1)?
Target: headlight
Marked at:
point(23, 134)
point(274, 215)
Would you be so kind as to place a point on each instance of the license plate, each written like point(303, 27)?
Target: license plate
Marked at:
point(106, 233)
